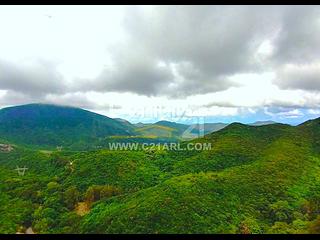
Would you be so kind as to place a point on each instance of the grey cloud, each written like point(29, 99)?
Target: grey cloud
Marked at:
point(283, 112)
point(307, 103)
point(206, 44)
point(214, 38)
point(74, 99)
point(78, 99)
point(279, 109)
point(34, 79)
point(138, 75)
point(71, 99)
point(306, 77)
point(299, 35)
point(220, 104)
point(194, 81)
point(178, 51)
point(297, 50)
point(15, 98)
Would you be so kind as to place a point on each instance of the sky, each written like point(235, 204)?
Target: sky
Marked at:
point(179, 63)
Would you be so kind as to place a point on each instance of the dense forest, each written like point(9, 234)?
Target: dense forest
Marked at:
point(255, 179)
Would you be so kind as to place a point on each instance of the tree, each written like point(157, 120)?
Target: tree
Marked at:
point(108, 191)
point(95, 193)
point(280, 228)
point(42, 226)
point(69, 222)
point(58, 161)
point(249, 226)
point(44, 219)
point(71, 197)
point(90, 195)
point(53, 187)
point(315, 205)
point(281, 211)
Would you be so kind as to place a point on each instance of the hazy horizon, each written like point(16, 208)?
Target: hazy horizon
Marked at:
point(188, 121)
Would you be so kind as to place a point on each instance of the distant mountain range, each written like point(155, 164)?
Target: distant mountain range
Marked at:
point(46, 125)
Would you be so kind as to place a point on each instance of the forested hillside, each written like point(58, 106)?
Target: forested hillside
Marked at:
point(255, 179)
point(50, 126)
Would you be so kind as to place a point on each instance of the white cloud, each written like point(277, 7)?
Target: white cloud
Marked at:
point(162, 62)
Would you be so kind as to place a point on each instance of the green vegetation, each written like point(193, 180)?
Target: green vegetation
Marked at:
point(255, 179)
point(49, 126)
point(157, 130)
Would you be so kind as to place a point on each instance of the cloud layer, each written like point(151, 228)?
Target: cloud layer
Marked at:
point(199, 54)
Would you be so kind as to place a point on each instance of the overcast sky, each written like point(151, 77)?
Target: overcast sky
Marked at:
point(180, 63)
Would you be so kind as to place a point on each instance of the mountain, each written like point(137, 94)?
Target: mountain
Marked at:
point(51, 125)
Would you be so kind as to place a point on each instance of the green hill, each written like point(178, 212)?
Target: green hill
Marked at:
point(254, 179)
point(51, 126)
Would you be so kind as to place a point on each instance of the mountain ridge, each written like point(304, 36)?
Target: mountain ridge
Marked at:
point(50, 125)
